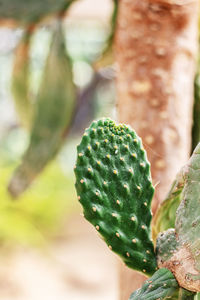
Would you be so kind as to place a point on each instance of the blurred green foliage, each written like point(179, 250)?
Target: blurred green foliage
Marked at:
point(43, 208)
point(29, 11)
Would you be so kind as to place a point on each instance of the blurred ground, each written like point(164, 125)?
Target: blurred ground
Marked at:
point(76, 266)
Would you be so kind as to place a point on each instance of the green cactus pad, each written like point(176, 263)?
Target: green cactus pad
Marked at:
point(188, 213)
point(114, 186)
point(160, 286)
point(184, 260)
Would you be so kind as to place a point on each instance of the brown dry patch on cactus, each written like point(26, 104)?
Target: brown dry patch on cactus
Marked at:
point(182, 265)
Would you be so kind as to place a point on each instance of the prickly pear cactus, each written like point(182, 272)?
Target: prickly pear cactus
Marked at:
point(160, 286)
point(184, 258)
point(113, 184)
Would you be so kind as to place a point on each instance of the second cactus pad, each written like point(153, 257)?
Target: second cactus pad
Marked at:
point(162, 285)
point(113, 183)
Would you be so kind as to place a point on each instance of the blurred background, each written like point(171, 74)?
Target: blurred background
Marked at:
point(48, 251)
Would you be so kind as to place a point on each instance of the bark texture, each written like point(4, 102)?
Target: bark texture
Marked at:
point(156, 47)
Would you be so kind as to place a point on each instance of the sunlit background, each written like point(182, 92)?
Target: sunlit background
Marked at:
point(48, 251)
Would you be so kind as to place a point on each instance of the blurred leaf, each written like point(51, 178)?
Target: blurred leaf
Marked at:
point(30, 11)
point(106, 57)
point(20, 80)
point(54, 111)
point(41, 210)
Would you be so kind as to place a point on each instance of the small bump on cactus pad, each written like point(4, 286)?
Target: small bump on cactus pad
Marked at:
point(161, 285)
point(114, 186)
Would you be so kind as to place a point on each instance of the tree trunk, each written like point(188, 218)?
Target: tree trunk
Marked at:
point(156, 47)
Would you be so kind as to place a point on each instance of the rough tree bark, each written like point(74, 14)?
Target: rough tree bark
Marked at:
point(156, 47)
